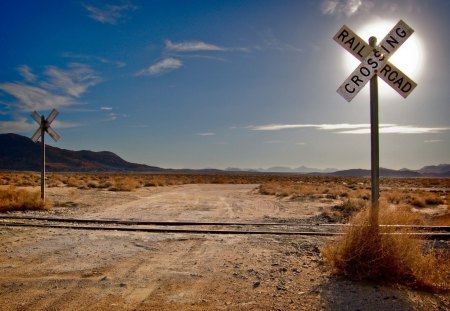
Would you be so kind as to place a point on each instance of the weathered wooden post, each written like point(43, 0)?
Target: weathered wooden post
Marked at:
point(44, 126)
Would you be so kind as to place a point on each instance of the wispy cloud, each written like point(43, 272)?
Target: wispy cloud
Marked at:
point(174, 52)
point(34, 98)
point(19, 125)
point(60, 88)
point(106, 108)
point(346, 128)
point(191, 46)
point(163, 66)
point(278, 127)
point(343, 7)
point(22, 125)
point(26, 73)
point(108, 13)
point(73, 81)
point(397, 129)
point(205, 134)
point(93, 58)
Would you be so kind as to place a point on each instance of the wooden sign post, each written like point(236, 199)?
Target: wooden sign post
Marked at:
point(44, 126)
point(374, 62)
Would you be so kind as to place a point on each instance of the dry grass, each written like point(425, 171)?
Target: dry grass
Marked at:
point(13, 199)
point(365, 253)
point(125, 184)
point(349, 195)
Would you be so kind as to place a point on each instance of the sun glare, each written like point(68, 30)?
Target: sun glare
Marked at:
point(409, 58)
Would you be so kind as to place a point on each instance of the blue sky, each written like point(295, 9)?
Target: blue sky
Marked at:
point(195, 84)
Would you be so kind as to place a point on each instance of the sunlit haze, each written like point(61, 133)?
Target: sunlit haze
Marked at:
point(409, 58)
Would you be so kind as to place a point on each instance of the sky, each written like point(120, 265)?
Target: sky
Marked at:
point(223, 83)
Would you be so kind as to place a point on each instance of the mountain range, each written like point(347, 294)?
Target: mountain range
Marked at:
point(20, 153)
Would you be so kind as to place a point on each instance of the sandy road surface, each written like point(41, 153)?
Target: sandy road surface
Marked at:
point(60, 269)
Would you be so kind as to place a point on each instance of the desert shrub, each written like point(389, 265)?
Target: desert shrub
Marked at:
point(416, 201)
point(366, 252)
point(13, 199)
point(72, 182)
point(93, 184)
point(433, 199)
point(125, 184)
point(105, 184)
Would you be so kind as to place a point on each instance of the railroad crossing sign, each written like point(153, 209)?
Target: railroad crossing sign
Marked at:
point(374, 61)
point(44, 126)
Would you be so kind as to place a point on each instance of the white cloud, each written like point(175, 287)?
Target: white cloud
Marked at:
point(34, 98)
point(278, 127)
point(61, 88)
point(353, 128)
point(22, 124)
point(19, 125)
point(191, 46)
point(106, 108)
point(93, 58)
point(338, 7)
point(109, 13)
point(163, 66)
point(25, 72)
point(397, 129)
point(205, 134)
point(74, 81)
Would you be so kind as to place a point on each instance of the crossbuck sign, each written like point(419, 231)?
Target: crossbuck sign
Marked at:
point(44, 126)
point(374, 61)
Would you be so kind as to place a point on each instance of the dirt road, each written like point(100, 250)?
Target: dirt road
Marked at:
point(61, 269)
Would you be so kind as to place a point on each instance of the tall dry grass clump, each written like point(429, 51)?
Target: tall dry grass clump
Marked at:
point(13, 199)
point(381, 255)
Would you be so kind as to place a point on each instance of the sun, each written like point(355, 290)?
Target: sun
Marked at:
point(409, 58)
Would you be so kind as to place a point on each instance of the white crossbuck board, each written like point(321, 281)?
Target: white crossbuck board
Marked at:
point(375, 61)
point(44, 125)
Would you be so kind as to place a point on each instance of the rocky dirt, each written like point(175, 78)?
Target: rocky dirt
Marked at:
point(63, 269)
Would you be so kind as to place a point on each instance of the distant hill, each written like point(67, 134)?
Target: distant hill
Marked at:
point(21, 153)
point(283, 169)
point(384, 172)
point(441, 169)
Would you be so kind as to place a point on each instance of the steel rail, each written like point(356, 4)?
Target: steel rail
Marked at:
point(167, 230)
point(205, 223)
point(427, 235)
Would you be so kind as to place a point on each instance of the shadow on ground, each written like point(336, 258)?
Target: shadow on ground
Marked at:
point(340, 294)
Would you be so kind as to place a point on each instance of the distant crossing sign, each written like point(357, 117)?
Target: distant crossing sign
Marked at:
point(375, 61)
point(44, 126)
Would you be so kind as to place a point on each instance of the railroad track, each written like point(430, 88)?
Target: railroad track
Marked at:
point(191, 227)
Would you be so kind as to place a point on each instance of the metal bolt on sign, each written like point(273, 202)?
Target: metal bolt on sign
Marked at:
point(44, 126)
point(374, 62)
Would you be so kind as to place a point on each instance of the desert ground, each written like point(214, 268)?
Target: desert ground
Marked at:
point(64, 269)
